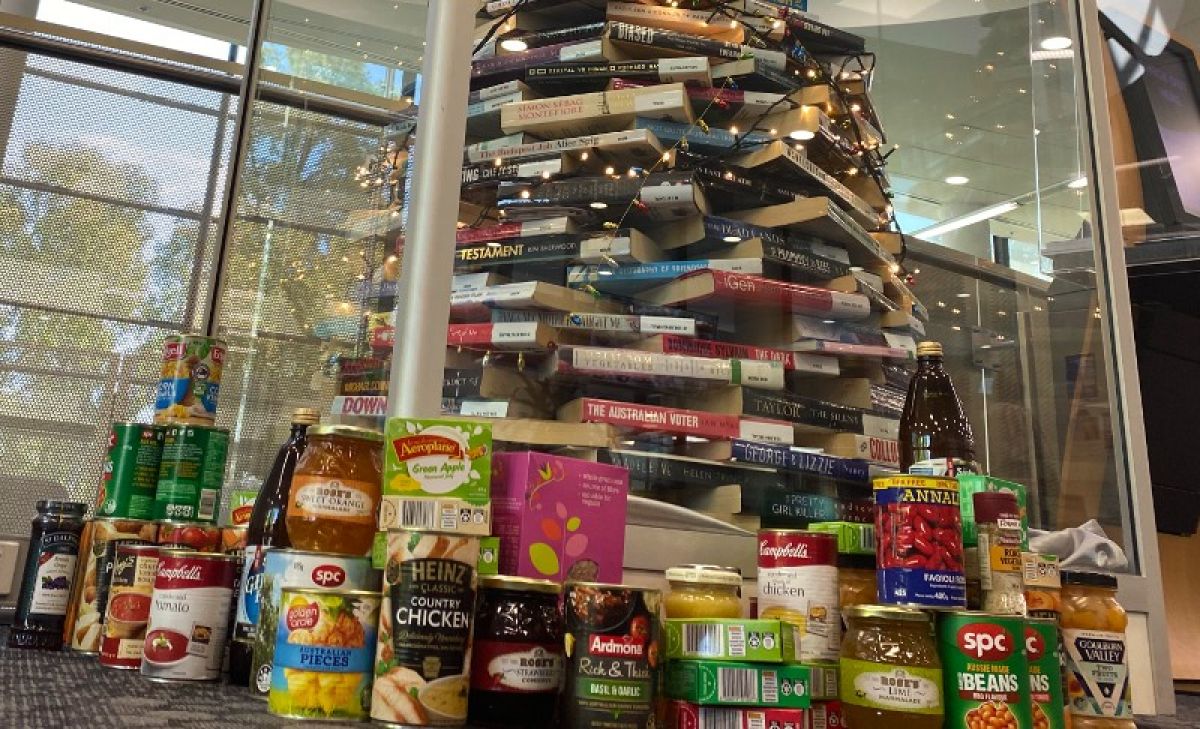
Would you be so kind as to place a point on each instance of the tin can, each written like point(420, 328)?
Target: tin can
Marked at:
point(798, 584)
point(191, 473)
point(191, 379)
point(985, 670)
point(130, 471)
point(189, 535)
point(258, 607)
point(613, 656)
point(189, 616)
point(95, 571)
point(324, 654)
point(128, 610)
point(919, 553)
point(423, 653)
point(233, 540)
point(1045, 673)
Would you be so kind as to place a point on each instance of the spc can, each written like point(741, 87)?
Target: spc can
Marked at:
point(130, 471)
point(613, 656)
point(424, 645)
point(191, 380)
point(94, 571)
point(918, 550)
point(191, 473)
point(189, 535)
point(985, 670)
point(324, 654)
point(189, 616)
point(1045, 673)
point(798, 584)
point(128, 610)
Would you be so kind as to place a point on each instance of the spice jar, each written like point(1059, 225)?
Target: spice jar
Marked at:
point(856, 579)
point(1093, 636)
point(334, 495)
point(703, 591)
point(889, 672)
point(998, 524)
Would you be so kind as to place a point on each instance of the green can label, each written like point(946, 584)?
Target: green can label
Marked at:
point(191, 472)
point(130, 476)
point(986, 671)
point(891, 688)
point(1045, 673)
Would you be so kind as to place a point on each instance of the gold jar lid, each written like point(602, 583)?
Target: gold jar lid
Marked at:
point(520, 584)
point(886, 612)
point(929, 349)
point(306, 416)
point(347, 431)
point(705, 574)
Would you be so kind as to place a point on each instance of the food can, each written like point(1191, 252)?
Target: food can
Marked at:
point(324, 654)
point(259, 602)
point(130, 475)
point(128, 610)
point(919, 554)
point(233, 540)
point(191, 379)
point(798, 584)
point(95, 570)
point(985, 670)
point(423, 656)
point(613, 656)
point(1045, 673)
point(189, 535)
point(191, 473)
point(189, 616)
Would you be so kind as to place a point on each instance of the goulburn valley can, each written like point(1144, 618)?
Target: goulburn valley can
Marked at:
point(191, 473)
point(129, 597)
point(798, 584)
point(985, 670)
point(130, 475)
point(191, 380)
point(189, 616)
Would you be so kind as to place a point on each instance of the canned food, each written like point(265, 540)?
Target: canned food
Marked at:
point(95, 571)
point(128, 610)
point(324, 651)
point(798, 584)
point(233, 540)
point(189, 535)
point(423, 655)
point(919, 552)
point(613, 656)
point(258, 611)
point(191, 379)
point(986, 671)
point(189, 616)
point(1045, 673)
point(191, 473)
point(130, 471)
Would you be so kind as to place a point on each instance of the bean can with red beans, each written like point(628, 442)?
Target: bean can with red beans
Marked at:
point(919, 552)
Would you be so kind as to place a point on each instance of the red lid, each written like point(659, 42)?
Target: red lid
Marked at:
point(991, 506)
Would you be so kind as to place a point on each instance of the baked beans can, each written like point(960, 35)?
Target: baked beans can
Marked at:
point(324, 654)
point(919, 553)
point(94, 570)
point(267, 573)
point(189, 616)
point(128, 610)
point(985, 670)
point(798, 585)
point(130, 476)
point(423, 655)
point(189, 535)
point(191, 380)
point(191, 473)
point(1045, 673)
point(613, 651)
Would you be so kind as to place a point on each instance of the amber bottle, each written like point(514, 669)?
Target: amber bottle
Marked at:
point(935, 435)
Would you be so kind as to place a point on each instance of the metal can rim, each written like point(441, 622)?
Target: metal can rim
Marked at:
point(897, 612)
point(193, 554)
point(310, 552)
point(196, 426)
point(323, 591)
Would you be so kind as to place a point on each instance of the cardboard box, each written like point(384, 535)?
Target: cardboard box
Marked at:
point(684, 715)
point(823, 680)
point(970, 484)
point(828, 715)
point(559, 518)
point(719, 639)
point(437, 476)
point(725, 683)
point(853, 538)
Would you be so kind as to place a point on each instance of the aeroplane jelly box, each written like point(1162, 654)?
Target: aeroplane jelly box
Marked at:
point(559, 518)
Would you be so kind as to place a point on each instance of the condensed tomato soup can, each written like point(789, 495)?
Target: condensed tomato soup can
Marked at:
point(918, 549)
point(189, 616)
point(798, 584)
point(985, 670)
point(129, 596)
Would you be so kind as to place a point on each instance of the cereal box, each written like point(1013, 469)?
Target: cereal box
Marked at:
point(437, 476)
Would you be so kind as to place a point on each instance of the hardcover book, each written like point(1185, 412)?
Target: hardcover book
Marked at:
point(819, 217)
point(742, 290)
point(657, 419)
point(804, 412)
point(577, 77)
point(791, 361)
point(801, 461)
point(697, 22)
point(491, 71)
point(634, 146)
point(515, 336)
point(560, 225)
point(619, 246)
point(621, 325)
point(659, 196)
point(628, 41)
point(604, 361)
point(650, 470)
point(476, 306)
point(631, 279)
point(605, 111)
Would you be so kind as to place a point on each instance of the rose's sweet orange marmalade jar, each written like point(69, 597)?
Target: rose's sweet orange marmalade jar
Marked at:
point(1093, 632)
point(334, 495)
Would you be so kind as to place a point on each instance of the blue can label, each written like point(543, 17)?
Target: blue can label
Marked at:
point(919, 547)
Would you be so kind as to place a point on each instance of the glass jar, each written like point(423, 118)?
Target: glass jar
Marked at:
point(882, 645)
point(334, 495)
point(49, 573)
point(703, 591)
point(517, 654)
point(1093, 633)
point(856, 580)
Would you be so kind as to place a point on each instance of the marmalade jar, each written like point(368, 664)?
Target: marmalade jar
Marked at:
point(703, 591)
point(890, 673)
point(856, 579)
point(1093, 635)
point(334, 496)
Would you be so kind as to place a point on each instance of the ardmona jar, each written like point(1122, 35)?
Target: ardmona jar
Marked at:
point(703, 591)
point(1093, 638)
point(335, 490)
point(890, 674)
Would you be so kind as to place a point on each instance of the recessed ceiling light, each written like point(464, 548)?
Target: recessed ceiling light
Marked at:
point(1055, 43)
point(802, 135)
point(599, 205)
point(957, 180)
point(731, 239)
point(515, 45)
point(963, 296)
point(1077, 183)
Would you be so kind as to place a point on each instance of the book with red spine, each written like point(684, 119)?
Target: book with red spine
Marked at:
point(651, 418)
point(525, 229)
point(866, 351)
point(744, 290)
point(516, 336)
point(791, 361)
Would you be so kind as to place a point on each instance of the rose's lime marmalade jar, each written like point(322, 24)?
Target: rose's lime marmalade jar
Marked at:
point(890, 674)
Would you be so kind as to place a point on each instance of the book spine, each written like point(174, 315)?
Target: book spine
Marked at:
point(375, 405)
point(618, 323)
point(805, 411)
point(805, 30)
point(487, 93)
point(655, 191)
point(512, 334)
point(534, 250)
point(710, 348)
point(506, 231)
point(667, 70)
point(862, 350)
point(558, 36)
point(715, 139)
point(766, 291)
point(804, 262)
point(648, 364)
point(672, 41)
point(723, 229)
point(479, 108)
point(495, 294)
point(462, 383)
point(653, 469)
point(527, 170)
point(518, 62)
point(652, 418)
point(843, 469)
point(477, 153)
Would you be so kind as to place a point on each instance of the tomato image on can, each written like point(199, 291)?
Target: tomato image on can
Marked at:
point(189, 616)
point(130, 594)
point(188, 535)
point(919, 551)
point(191, 379)
point(1045, 673)
point(986, 671)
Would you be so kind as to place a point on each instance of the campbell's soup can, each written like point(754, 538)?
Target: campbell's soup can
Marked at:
point(189, 616)
point(93, 572)
point(798, 584)
point(268, 572)
point(985, 669)
point(129, 596)
point(189, 535)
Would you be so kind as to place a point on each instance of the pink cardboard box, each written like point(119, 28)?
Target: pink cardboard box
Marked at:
point(559, 518)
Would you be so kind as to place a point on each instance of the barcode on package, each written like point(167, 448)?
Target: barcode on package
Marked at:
point(450, 519)
point(737, 685)
point(770, 687)
point(737, 641)
point(704, 641)
point(418, 515)
point(868, 538)
point(817, 677)
point(208, 504)
point(722, 719)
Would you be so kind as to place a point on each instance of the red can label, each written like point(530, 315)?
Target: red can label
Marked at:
point(185, 535)
point(777, 548)
point(189, 616)
point(919, 553)
point(798, 584)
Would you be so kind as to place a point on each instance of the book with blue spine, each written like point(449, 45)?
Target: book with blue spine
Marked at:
point(714, 141)
point(800, 461)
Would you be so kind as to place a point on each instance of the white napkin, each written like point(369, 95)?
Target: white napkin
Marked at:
point(1081, 547)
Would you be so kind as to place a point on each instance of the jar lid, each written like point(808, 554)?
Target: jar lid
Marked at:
point(991, 506)
point(856, 561)
point(887, 612)
point(307, 416)
point(347, 431)
point(1090, 579)
point(72, 507)
point(929, 349)
point(520, 584)
point(705, 574)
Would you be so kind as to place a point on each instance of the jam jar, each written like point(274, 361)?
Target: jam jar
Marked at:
point(890, 673)
point(703, 591)
point(517, 655)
